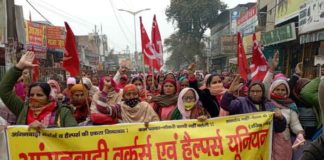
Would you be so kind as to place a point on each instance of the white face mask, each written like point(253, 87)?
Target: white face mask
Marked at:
point(139, 87)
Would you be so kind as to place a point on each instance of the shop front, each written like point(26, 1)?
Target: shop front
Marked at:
point(283, 39)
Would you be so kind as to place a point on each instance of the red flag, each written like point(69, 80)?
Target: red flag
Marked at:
point(259, 66)
point(157, 45)
point(241, 58)
point(147, 49)
point(71, 59)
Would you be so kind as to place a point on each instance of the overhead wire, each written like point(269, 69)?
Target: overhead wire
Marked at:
point(81, 20)
point(84, 25)
point(75, 19)
point(120, 26)
point(39, 12)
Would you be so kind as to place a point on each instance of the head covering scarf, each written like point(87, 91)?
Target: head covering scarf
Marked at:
point(87, 82)
point(185, 114)
point(263, 98)
point(71, 80)
point(183, 78)
point(170, 73)
point(282, 102)
point(166, 100)
point(278, 82)
point(129, 87)
point(280, 76)
point(92, 89)
point(78, 87)
point(169, 81)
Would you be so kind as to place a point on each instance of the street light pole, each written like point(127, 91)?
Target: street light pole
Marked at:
point(134, 15)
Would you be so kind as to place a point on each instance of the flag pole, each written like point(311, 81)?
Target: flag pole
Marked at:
point(144, 77)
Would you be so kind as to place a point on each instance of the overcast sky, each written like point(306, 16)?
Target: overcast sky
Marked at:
point(83, 15)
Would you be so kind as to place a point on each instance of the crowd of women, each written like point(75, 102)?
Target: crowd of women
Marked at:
point(112, 99)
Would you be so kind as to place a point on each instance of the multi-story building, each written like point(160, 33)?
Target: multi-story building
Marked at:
point(223, 36)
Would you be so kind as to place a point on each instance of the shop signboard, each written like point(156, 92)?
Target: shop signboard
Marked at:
point(35, 38)
point(311, 16)
point(311, 37)
point(278, 35)
point(287, 9)
point(247, 22)
point(248, 42)
point(235, 14)
point(55, 37)
point(229, 44)
point(318, 60)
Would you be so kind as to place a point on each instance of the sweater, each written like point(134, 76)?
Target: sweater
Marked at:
point(209, 102)
point(242, 105)
point(63, 117)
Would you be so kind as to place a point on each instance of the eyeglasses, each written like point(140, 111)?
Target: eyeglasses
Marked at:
point(188, 98)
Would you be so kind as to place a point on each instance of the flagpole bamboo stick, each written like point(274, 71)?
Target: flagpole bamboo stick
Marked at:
point(144, 77)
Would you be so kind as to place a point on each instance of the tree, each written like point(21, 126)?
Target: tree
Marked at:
point(193, 18)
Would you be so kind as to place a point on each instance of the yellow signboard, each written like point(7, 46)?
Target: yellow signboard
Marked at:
point(245, 136)
point(287, 9)
point(248, 42)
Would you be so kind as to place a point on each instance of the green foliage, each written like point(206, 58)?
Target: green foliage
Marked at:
point(193, 18)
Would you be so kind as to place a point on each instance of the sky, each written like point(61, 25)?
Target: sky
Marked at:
point(83, 15)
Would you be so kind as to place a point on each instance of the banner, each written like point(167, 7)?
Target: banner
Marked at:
point(279, 35)
point(35, 37)
point(248, 42)
point(235, 14)
point(229, 44)
point(55, 37)
point(246, 136)
point(35, 34)
point(247, 22)
point(311, 16)
point(311, 37)
point(287, 9)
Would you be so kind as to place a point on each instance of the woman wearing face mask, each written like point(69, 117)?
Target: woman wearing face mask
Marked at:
point(209, 96)
point(131, 109)
point(80, 102)
point(138, 82)
point(167, 101)
point(256, 101)
point(40, 111)
point(188, 106)
point(282, 146)
point(107, 96)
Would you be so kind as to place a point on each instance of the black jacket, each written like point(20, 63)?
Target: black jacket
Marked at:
point(209, 101)
point(315, 150)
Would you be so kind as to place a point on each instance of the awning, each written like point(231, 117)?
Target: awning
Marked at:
point(234, 60)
